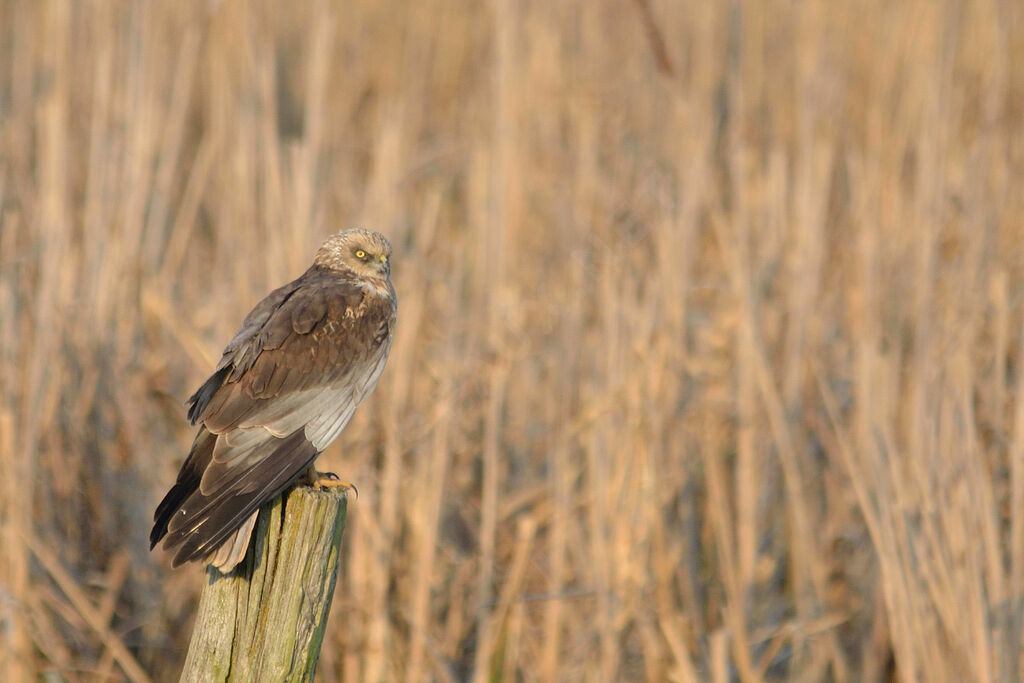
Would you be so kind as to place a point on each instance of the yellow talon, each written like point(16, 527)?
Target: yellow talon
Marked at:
point(328, 480)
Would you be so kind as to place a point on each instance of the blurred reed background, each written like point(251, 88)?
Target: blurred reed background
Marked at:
point(709, 348)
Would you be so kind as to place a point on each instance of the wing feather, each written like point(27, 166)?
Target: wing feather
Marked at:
point(197, 534)
point(305, 318)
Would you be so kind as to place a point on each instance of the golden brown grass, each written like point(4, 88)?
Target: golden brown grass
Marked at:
point(709, 351)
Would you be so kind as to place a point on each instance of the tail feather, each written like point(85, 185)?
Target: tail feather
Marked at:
point(216, 526)
point(191, 474)
point(232, 551)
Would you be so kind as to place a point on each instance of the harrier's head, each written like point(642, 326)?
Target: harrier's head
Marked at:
point(366, 253)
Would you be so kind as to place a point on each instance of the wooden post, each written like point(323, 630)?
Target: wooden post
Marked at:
point(265, 620)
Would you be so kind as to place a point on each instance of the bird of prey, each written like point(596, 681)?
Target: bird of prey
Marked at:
point(287, 384)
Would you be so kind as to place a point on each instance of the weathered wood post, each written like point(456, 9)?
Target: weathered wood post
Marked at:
point(265, 620)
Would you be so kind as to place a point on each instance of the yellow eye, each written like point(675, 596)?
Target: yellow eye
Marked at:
point(383, 258)
point(360, 254)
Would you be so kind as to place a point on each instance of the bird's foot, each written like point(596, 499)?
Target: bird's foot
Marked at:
point(329, 480)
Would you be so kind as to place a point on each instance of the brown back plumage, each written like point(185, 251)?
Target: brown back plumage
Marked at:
point(286, 386)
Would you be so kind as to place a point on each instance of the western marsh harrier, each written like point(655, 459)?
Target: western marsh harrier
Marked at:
point(287, 384)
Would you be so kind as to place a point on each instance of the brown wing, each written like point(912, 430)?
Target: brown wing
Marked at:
point(285, 387)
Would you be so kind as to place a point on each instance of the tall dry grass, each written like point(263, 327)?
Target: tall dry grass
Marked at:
point(709, 351)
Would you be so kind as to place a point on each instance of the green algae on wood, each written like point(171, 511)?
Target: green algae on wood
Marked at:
point(265, 620)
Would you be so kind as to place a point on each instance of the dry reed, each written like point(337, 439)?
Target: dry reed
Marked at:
point(710, 340)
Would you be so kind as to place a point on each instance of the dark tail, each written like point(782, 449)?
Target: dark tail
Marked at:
point(188, 482)
point(195, 523)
